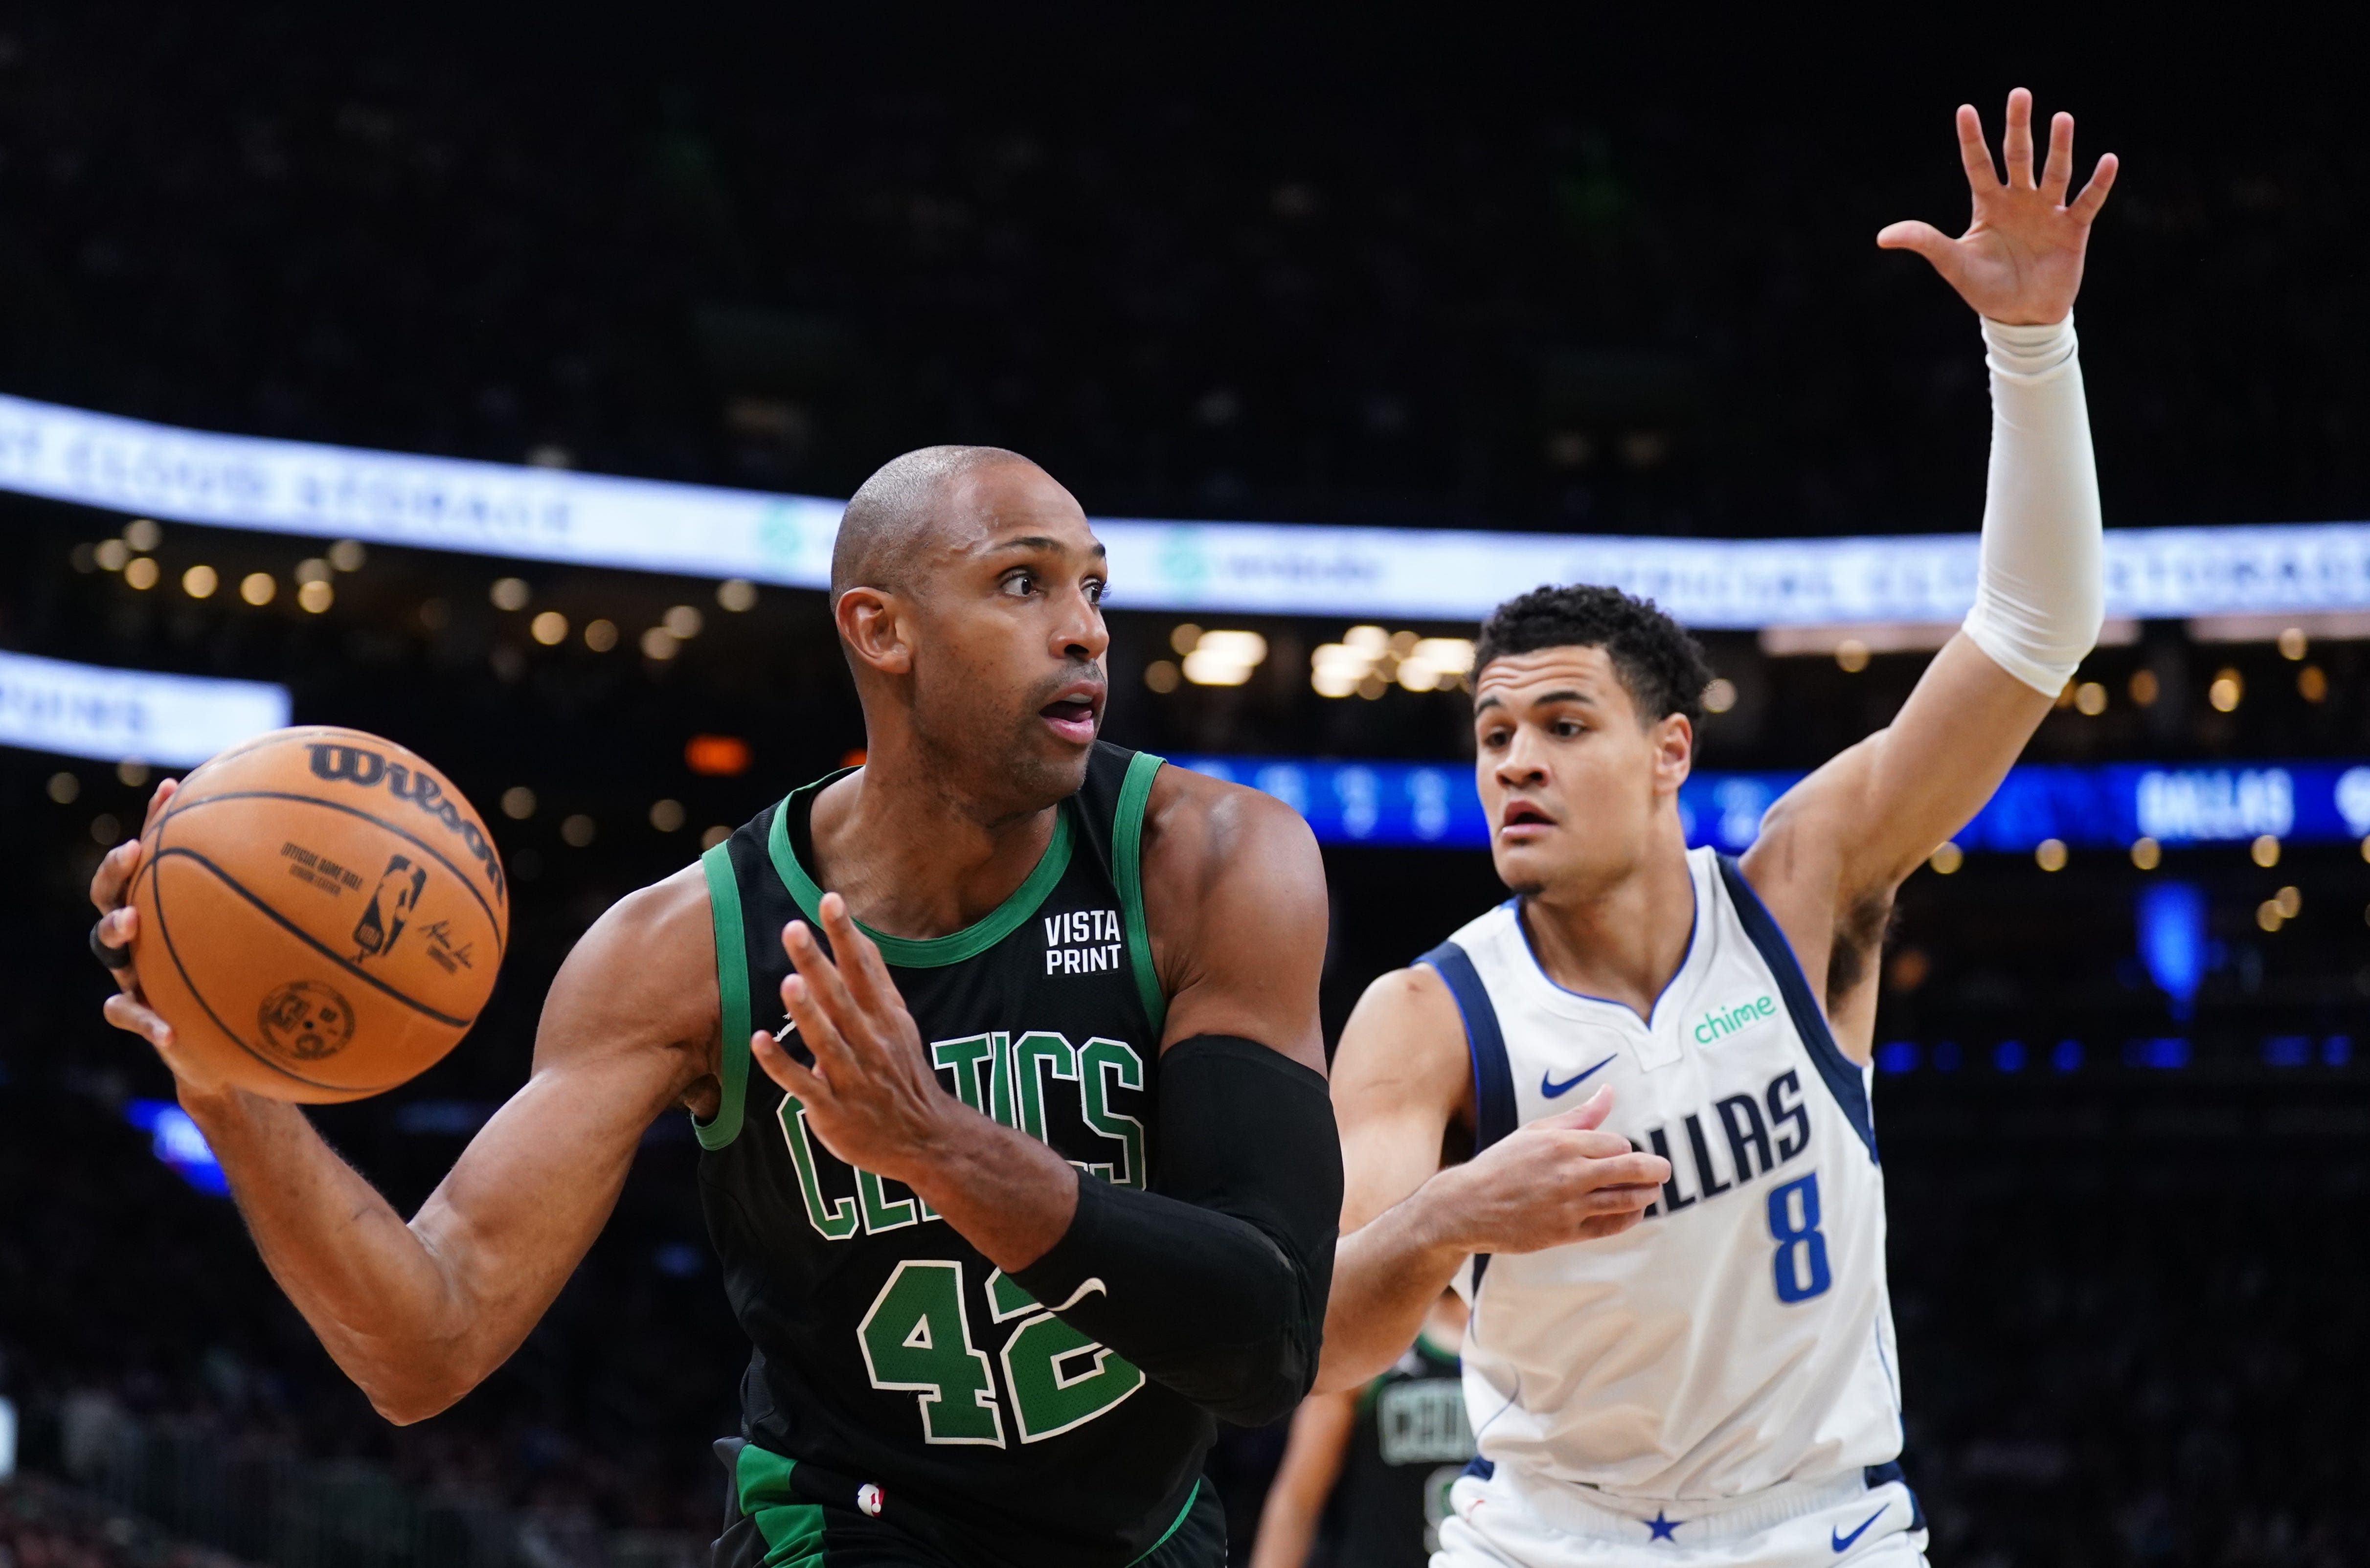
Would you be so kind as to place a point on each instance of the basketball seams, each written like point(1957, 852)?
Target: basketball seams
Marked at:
point(164, 933)
point(253, 762)
point(313, 942)
point(499, 922)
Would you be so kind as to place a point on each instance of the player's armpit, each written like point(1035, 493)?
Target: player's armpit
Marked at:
point(1850, 834)
point(418, 1314)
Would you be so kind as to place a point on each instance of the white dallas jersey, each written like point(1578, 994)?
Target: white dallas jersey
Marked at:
point(1740, 1335)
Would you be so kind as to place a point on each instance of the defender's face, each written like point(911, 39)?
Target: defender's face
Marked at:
point(1572, 783)
point(1011, 661)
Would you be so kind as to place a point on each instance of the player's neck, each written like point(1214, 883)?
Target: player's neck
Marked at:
point(915, 857)
point(1621, 940)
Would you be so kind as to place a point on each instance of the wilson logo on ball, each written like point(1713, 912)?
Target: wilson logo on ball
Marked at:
point(339, 761)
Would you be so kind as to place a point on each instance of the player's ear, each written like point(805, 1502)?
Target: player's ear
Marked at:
point(1673, 739)
point(873, 623)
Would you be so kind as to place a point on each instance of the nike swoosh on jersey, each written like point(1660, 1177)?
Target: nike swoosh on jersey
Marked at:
point(1843, 1542)
point(1551, 1089)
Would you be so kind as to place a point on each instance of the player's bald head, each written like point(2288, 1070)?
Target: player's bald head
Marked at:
point(897, 515)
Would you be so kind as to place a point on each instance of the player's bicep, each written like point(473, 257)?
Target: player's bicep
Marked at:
point(1401, 1075)
point(1878, 810)
point(628, 1023)
point(1235, 890)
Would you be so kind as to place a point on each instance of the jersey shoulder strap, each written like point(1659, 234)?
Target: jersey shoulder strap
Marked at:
point(1842, 1076)
point(1110, 821)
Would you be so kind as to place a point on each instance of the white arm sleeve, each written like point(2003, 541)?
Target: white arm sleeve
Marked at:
point(2038, 597)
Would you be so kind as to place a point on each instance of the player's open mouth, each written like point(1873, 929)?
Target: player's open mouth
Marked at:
point(1521, 820)
point(1072, 718)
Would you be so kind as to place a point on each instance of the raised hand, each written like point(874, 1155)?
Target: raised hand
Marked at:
point(2020, 260)
point(870, 1095)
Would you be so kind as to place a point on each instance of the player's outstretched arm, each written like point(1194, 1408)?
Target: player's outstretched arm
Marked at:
point(419, 1314)
point(1836, 846)
point(1400, 1076)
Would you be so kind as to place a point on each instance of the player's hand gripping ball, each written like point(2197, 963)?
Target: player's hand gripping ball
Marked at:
point(321, 915)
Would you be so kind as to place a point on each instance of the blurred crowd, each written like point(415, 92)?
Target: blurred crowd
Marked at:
point(1530, 275)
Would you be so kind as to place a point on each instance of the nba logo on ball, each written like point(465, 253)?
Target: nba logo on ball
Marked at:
point(322, 915)
point(868, 1499)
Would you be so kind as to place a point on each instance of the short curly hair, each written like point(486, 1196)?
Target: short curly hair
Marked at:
point(1661, 666)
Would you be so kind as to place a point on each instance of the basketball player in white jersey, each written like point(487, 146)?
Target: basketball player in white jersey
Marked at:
point(1670, 1230)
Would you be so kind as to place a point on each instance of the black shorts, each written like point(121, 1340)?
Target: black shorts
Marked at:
point(820, 1525)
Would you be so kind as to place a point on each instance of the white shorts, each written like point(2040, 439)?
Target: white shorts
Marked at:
point(1513, 1521)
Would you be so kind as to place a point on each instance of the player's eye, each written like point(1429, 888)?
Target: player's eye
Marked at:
point(1565, 728)
point(1095, 591)
point(1020, 585)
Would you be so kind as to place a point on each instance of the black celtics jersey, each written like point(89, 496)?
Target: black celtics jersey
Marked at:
point(1411, 1442)
point(887, 1349)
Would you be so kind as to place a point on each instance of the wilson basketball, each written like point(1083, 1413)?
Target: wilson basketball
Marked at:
point(321, 915)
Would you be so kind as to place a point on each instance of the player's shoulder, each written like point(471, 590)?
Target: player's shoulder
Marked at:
point(1404, 1042)
point(1194, 824)
point(1412, 1001)
point(654, 936)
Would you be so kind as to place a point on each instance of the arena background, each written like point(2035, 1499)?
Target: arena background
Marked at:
point(1586, 281)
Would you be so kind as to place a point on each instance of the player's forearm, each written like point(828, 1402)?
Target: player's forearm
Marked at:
point(2040, 598)
point(1005, 1192)
point(376, 1297)
point(1386, 1274)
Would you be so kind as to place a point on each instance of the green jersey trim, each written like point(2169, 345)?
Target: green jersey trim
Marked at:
point(1189, 1497)
point(792, 1531)
point(732, 993)
point(1127, 870)
point(928, 952)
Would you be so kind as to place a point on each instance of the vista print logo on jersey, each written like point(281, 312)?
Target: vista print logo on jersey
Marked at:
point(1082, 942)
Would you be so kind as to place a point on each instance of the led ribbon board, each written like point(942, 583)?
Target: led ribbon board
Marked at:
point(82, 710)
point(331, 492)
point(1404, 804)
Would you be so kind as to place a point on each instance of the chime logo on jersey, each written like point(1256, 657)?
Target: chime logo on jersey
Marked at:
point(1082, 942)
point(1006, 1076)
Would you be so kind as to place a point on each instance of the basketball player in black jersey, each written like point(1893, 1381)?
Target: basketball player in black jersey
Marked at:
point(1038, 1174)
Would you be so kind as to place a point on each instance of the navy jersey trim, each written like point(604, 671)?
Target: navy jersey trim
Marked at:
point(1842, 1077)
point(1493, 1078)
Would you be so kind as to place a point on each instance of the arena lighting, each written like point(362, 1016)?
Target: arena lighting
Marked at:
point(176, 1140)
point(2106, 807)
point(82, 710)
point(354, 496)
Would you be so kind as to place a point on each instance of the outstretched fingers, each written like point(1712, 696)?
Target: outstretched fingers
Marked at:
point(860, 967)
point(816, 999)
point(1974, 154)
point(2015, 141)
point(2057, 173)
point(793, 1075)
point(2094, 195)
